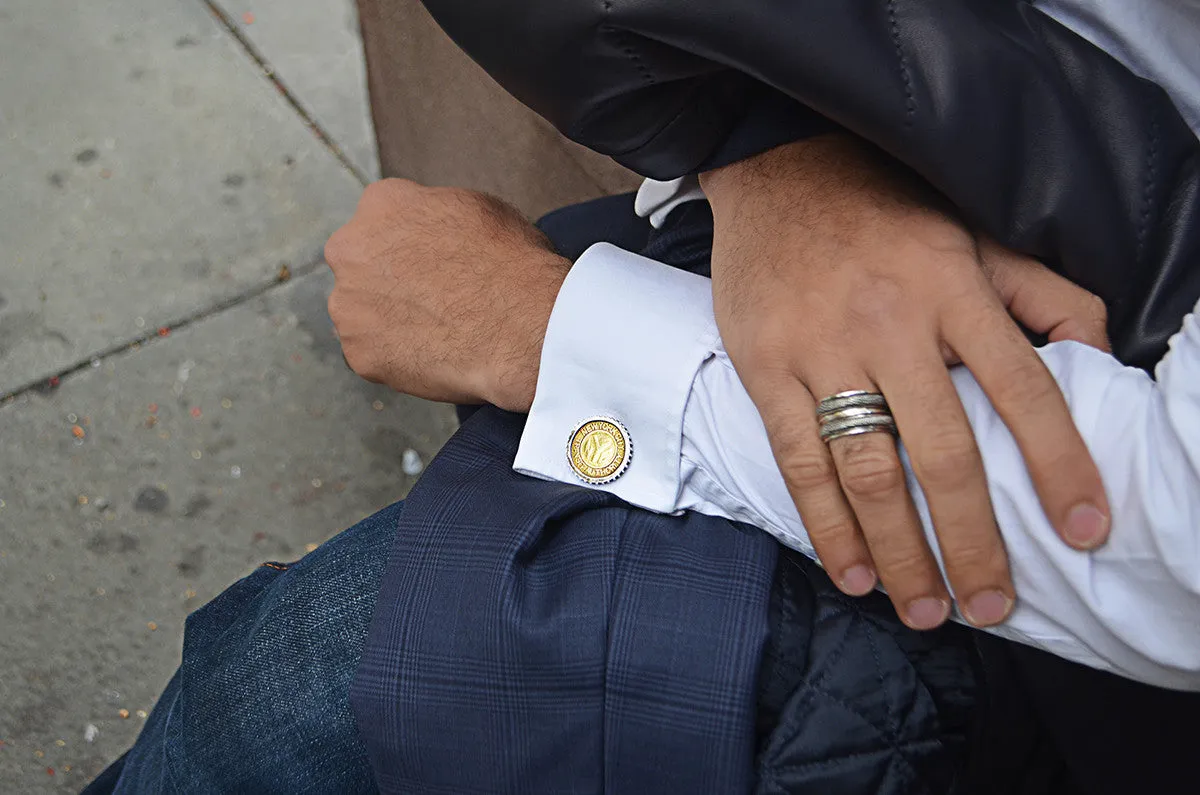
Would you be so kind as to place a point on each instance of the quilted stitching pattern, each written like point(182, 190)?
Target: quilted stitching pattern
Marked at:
point(874, 708)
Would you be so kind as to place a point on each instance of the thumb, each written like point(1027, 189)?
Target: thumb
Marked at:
point(1043, 301)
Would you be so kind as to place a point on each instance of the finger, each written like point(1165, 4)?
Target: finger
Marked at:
point(872, 478)
point(1045, 302)
point(789, 415)
point(1029, 401)
point(947, 463)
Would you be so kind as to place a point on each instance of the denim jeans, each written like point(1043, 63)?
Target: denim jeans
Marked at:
point(260, 702)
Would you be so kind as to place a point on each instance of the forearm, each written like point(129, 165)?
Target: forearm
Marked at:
point(998, 115)
point(699, 444)
point(1129, 606)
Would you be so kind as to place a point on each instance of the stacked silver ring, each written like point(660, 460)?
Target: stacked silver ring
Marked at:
point(854, 412)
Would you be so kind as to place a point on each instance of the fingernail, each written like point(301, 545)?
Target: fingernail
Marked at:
point(927, 612)
point(858, 580)
point(1086, 526)
point(986, 608)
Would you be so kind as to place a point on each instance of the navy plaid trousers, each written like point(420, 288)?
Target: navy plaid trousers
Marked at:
point(535, 637)
point(540, 637)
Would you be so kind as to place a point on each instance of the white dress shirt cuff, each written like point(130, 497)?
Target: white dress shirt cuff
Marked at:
point(656, 199)
point(614, 348)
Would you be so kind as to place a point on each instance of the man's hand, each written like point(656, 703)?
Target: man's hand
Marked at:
point(1043, 301)
point(443, 293)
point(830, 273)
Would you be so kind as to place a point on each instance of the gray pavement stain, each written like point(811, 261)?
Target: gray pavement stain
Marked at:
point(175, 488)
point(19, 327)
point(131, 493)
point(197, 504)
point(308, 302)
point(151, 499)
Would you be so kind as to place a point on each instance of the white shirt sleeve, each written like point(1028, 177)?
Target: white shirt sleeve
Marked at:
point(635, 340)
point(656, 199)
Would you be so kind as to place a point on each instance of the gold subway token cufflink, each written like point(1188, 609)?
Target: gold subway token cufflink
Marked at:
point(599, 450)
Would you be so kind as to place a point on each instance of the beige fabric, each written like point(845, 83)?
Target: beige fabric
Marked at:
point(441, 120)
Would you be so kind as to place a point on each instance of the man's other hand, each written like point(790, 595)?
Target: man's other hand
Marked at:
point(443, 293)
point(831, 272)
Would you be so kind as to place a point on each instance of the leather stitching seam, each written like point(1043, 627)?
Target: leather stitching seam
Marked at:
point(1148, 188)
point(625, 43)
point(910, 100)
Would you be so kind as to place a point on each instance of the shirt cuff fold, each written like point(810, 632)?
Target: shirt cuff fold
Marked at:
point(626, 338)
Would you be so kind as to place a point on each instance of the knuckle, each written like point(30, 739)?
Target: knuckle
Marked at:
point(1022, 382)
point(937, 232)
point(869, 470)
point(948, 462)
point(1097, 310)
point(362, 361)
point(762, 352)
point(831, 537)
point(387, 193)
point(354, 358)
point(392, 187)
point(804, 466)
point(377, 192)
point(334, 305)
point(973, 554)
point(908, 569)
point(336, 247)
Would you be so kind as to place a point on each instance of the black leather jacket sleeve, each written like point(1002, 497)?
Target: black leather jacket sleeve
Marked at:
point(765, 120)
point(1037, 136)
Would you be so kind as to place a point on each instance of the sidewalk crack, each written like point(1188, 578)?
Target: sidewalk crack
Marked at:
point(44, 383)
point(268, 72)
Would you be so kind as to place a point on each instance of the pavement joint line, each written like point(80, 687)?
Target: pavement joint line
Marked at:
point(55, 380)
point(268, 71)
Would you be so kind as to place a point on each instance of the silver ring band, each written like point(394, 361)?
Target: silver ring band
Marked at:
point(854, 412)
point(852, 399)
point(878, 423)
point(857, 431)
point(845, 414)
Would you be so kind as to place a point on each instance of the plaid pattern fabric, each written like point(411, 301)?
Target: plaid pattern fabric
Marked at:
point(535, 637)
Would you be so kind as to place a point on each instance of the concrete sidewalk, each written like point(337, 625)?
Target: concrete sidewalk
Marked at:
point(174, 408)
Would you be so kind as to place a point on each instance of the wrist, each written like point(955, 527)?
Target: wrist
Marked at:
point(511, 373)
point(793, 162)
point(829, 183)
